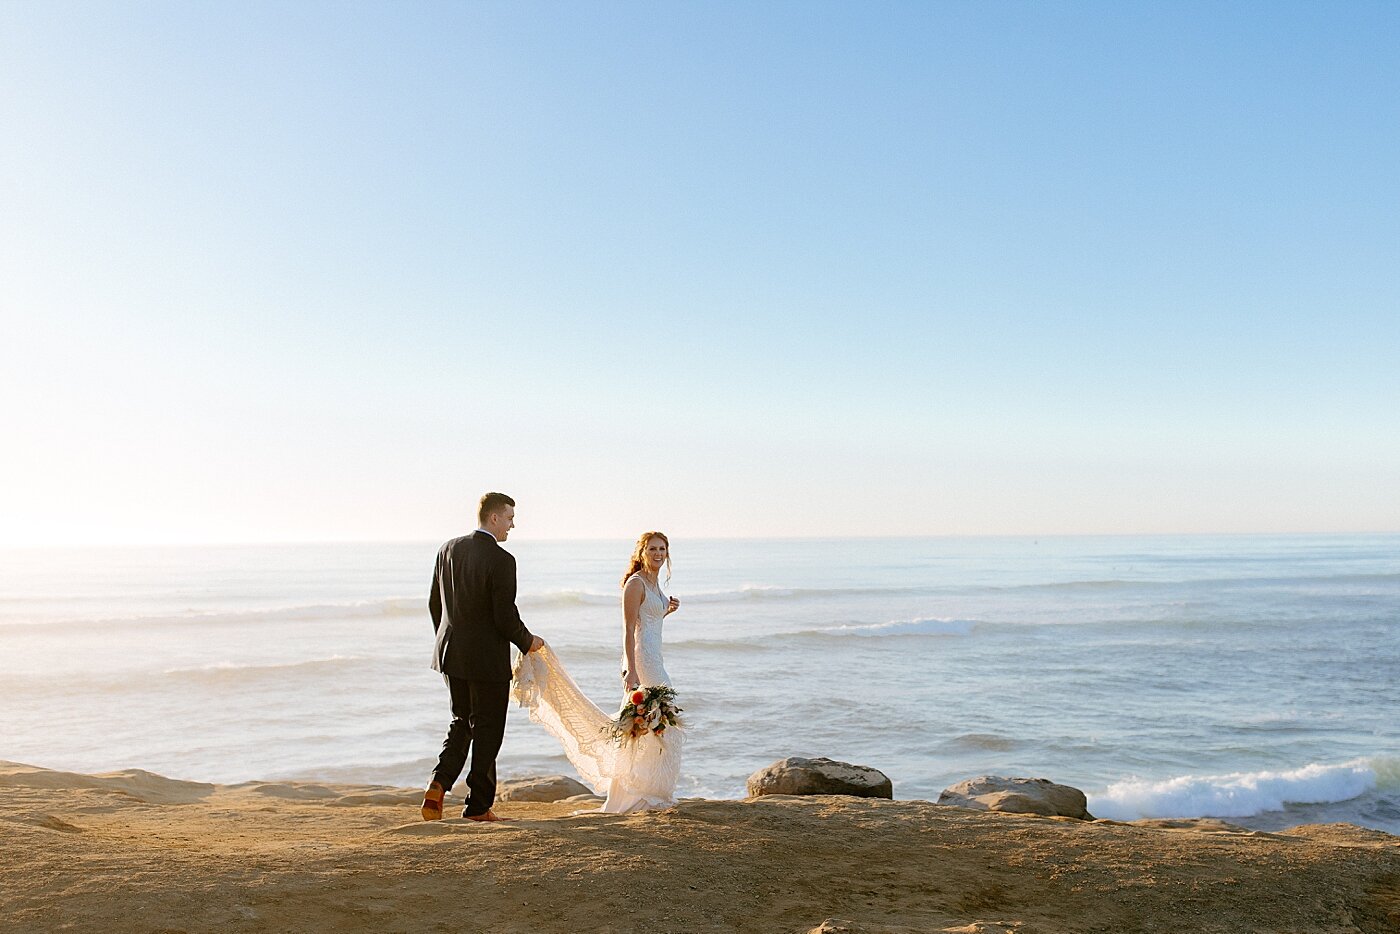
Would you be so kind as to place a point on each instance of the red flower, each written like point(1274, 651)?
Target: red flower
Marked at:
point(639, 697)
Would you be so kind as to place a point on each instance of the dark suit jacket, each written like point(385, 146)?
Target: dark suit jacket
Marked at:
point(473, 607)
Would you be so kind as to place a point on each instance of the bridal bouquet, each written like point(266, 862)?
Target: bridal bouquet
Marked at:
point(645, 710)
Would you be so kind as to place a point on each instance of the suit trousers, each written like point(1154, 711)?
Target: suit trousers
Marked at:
point(478, 724)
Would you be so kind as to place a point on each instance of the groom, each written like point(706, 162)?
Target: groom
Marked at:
point(476, 621)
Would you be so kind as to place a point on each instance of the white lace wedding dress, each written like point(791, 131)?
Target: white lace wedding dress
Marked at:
point(637, 775)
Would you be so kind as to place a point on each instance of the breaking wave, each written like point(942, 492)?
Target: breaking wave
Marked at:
point(237, 670)
point(932, 626)
point(1244, 794)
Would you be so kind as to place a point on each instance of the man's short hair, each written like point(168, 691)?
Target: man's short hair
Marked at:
point(492, 502)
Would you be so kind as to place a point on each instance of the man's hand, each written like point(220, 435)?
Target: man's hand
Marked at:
point(538, 643)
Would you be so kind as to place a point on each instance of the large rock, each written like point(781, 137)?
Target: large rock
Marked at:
point(1018, 796)
point(797, 776)
point(549, 788)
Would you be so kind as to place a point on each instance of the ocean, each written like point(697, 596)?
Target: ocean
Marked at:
point(1252, 678)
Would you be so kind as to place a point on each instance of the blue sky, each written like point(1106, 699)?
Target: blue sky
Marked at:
point(327, 271)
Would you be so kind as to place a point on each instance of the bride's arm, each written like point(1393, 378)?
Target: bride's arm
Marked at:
point(632, 596)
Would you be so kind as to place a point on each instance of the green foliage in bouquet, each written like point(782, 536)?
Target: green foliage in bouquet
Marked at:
point(645, 710)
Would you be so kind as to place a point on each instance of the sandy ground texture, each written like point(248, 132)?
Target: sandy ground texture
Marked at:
point(132, 851)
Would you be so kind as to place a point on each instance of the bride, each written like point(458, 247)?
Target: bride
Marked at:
point(639, 773)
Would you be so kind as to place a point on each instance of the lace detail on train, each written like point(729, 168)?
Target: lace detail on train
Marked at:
point(635, 776)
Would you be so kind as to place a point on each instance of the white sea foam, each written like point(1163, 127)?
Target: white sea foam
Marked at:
point(418, 606)
point(756, 592)
point(222, 668)
point(931, 626)
point(559, 598)
point(1238, 794)
point(744, 594)
point(393, 606)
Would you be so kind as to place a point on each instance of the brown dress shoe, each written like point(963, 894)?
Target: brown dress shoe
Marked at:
point(489, 816)
point(432, 801)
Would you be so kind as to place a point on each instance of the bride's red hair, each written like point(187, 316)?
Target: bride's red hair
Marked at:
point(636, 563)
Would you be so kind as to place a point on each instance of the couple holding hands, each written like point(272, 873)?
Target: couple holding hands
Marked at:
point(476, 621)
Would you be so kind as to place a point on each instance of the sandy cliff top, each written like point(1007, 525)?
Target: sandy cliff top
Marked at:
point(133, 851)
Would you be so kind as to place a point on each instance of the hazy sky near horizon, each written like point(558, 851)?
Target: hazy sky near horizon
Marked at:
point(323, 271)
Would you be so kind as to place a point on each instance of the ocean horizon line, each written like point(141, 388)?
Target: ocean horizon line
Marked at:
point(833, 537)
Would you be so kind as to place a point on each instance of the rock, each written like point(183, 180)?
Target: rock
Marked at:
point(797, 776)
point(549, 788)
point(1018, 796)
